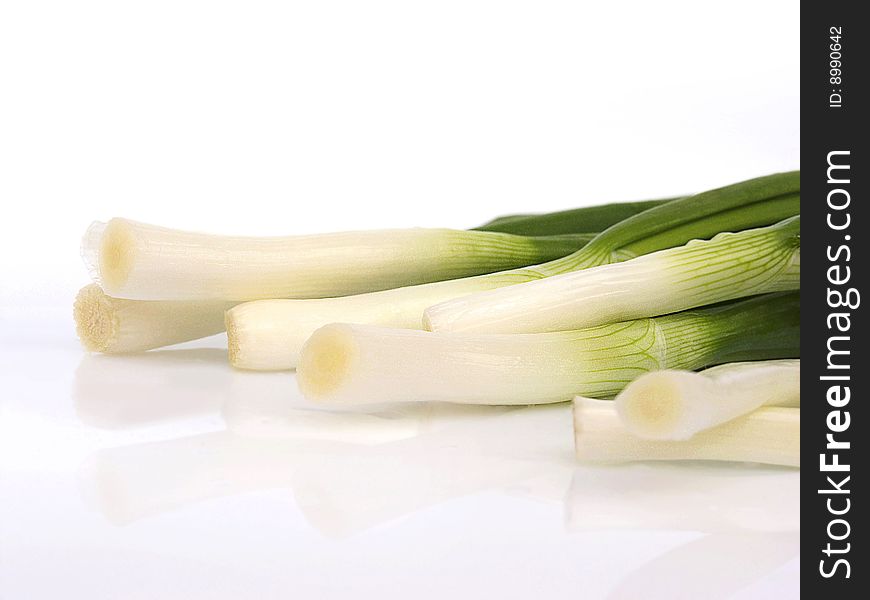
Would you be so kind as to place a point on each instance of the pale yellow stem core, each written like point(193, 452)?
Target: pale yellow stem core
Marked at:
point(327, 361)
point(117, 253)
point(656, 401)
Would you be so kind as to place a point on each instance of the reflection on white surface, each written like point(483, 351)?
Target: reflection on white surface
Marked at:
point(348, 472)
point(749, 517)
point(708, 498)
point(269, 405)
point(117, 392)
point(714, 566)
point(131, 482)
point(172, 458)
point(347, 493)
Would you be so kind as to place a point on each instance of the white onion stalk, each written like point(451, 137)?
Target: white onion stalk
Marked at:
point(115, 325)
point(768, 435)
point(359, 364)
point(145, 262)
point(702, 272)
point(675, 405)
point(268, 335)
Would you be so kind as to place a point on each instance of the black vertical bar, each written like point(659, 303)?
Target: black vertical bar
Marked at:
point(833, 247)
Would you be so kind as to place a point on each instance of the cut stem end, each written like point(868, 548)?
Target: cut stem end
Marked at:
point(95, 318)
point(326, 361)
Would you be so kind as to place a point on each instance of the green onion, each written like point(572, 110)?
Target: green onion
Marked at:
point(269, 335)
point(358, 364)
point(143, 262)
point(118, 325)
point(113, 325)
point(768, 435)
point(592, 218)
point(675, 405)
point(731, 265)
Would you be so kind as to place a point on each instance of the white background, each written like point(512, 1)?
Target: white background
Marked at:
point(285, 117)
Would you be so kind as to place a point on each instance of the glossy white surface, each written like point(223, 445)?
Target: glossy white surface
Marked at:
point(169, 475)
